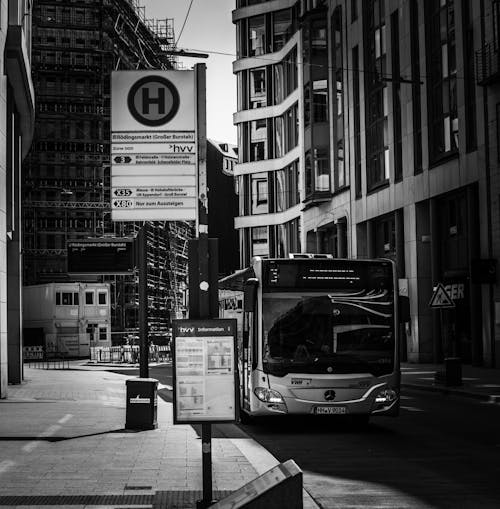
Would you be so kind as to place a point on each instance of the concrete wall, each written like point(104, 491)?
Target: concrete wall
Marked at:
point(3, 204)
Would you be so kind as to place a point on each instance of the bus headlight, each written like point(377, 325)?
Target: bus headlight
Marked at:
point(268, 395)
point(386, 396)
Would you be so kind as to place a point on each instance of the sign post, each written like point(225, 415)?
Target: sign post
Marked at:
point(441, 299)
point(153, 160)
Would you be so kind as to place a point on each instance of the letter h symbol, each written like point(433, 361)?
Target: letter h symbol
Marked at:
point(147, 100)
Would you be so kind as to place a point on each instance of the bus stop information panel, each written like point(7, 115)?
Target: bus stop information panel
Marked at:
point(204, 371)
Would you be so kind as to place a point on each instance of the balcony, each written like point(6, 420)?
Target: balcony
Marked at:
point(487, 65)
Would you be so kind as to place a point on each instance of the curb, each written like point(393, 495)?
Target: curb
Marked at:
point(453, 392)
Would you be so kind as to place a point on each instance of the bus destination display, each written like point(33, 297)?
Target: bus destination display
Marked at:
point(325, 274)
point(204, 371)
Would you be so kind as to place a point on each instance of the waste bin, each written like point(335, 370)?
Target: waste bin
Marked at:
point(142, 402)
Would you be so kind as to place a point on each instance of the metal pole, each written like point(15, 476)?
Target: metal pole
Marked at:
point(203, 264)
point(143, 302)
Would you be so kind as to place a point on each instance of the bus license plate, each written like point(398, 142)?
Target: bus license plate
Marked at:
point(330, 410)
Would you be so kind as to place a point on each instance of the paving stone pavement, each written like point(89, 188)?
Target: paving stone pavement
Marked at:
point(63, 444)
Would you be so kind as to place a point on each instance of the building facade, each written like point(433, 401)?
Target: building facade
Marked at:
point(370, 129)
point(66, 191)
point(17, 102)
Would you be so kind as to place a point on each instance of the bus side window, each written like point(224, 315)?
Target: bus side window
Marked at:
point(245, 330)
point(255, 336)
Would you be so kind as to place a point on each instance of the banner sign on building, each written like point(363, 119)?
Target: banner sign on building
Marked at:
point(153, 146)
point(204, 370)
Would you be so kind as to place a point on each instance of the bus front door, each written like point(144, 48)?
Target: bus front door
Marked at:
point(246, 361)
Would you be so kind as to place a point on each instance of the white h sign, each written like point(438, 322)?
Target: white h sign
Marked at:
point(153, 146)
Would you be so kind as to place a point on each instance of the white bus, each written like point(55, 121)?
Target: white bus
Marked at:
point(316, 335)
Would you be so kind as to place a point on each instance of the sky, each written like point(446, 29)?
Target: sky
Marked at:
point(208, 29)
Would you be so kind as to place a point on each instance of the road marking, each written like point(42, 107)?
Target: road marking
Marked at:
point(412, 409)
point(30, 446)
point(418, 372)
point(65, 419)
point(168, 387)
point(5, 465)
point(49, 431)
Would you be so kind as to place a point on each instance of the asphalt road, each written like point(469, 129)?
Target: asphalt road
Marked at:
point(441, 452)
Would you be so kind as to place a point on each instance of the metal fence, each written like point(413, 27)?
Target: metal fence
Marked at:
point(128, 354)
point(42, 358)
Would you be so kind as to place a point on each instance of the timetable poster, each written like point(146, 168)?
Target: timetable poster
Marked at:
point(204, 371)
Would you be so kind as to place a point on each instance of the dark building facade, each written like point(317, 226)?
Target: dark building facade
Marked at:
point(66, 192)
point(390, 121)
point(223, 203)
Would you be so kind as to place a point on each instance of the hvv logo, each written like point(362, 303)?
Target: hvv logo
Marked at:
point(186, 329)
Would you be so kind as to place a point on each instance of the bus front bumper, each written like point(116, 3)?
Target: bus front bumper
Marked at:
point(378, 400)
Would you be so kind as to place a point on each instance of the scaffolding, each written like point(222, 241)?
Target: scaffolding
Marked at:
point(66, 178)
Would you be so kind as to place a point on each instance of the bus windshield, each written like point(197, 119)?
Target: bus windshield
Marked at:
point(338, 332)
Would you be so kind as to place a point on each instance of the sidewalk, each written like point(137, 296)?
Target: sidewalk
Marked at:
point(477, 382)
point(64, 445)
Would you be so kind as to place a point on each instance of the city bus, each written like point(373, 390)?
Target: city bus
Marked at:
point(316, 335)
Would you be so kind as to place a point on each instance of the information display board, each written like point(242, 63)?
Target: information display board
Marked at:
point(204, 371)
point(101, 256)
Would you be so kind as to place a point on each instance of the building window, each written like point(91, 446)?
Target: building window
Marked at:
point(495, 7)
point(338, 112)
point(256, 36)
point(396, 99)
point(258, 89)
point(260, 193)
point(377, 143)
point(442, 79)
point(285, 77)
point(89, 298)
point(320, 101)
point(103, 333)
point(282, 28)
point(357, 121)
point(258, 140)
point(317, 171)
point(260, 241)
point(469, 82)
point(286, 187)
point(415, 88)
point(321, 170)
point(385, 237)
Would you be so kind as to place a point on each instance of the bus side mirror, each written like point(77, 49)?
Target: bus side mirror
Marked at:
point(250, 294)
point(404, 309)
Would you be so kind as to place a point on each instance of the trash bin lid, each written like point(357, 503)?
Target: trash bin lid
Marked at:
point(146, 380)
